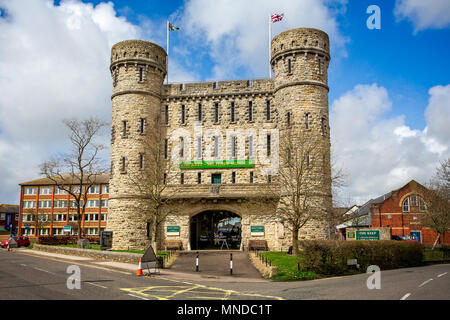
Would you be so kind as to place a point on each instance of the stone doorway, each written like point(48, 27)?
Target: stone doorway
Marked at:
point(215, 229)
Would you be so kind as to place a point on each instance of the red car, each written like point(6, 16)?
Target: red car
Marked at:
point(21, 242)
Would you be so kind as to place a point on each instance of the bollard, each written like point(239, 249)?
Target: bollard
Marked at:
point(231, 264)
point(196, 263)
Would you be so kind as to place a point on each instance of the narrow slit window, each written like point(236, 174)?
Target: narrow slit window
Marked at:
point(307, 120)
point(141, 72)
point(288, 119)
point(182, 178)
point(199, 112)
point(233, 177)
point(268, 145)
point(216, 112)
point(142, 125)
point(166, 148)
point(166, 114)
point(289, 66)
point(183, 114)
point(141, 161)
point(251, 176)
point(250, 111)
point(323, 126)
point(268, 110)
point(232, 112)
point(199, 178)
point(122, 164)
point(124, 128)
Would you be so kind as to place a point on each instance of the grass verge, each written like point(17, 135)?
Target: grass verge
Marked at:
point(287, 267)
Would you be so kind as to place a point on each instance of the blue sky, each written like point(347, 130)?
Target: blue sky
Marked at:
point(389, 89)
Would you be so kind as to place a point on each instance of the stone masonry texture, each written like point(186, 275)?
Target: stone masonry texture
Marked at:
point(299, 60)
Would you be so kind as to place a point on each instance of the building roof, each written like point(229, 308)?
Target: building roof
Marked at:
point(66, 179)
point(9, 208)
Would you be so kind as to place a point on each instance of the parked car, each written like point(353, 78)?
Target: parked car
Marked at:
point(21, 242)
point(402, 238)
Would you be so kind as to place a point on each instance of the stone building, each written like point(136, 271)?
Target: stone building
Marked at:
point(220, 144)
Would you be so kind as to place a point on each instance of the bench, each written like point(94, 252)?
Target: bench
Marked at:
point(257, 245)
point(173, 245)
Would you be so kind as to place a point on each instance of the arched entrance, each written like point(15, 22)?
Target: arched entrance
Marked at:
point(216, 229)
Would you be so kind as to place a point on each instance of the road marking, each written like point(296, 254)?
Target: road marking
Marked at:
point(405, 296)
point(42, 270)
point(425, 282)
point(442, 274)
point(97, 285)
point(138, 297)
point(24, 265)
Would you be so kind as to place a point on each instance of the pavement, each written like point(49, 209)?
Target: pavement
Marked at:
point(29, 274)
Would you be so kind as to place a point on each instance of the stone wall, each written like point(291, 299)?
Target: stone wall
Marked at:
point(126, 257)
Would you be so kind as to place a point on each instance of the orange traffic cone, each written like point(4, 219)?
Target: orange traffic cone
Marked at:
point(139, 271)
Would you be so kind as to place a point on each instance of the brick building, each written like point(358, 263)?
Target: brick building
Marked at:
point(9, 218)
point(56, 207)
point(401, 211)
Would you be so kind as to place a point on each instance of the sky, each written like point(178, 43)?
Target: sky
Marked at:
point(389, 93)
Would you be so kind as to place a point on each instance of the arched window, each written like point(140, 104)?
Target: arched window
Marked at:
point(413, 201)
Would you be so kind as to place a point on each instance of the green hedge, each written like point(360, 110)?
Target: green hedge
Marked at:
point(330, 257)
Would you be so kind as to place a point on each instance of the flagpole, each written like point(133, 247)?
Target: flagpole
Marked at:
point(167, 61)
point(270, 44)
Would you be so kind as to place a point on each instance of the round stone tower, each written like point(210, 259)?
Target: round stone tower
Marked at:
point(299, 60)
point(138, 69)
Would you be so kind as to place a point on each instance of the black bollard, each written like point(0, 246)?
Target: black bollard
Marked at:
point(196, 263)
point(231, 264)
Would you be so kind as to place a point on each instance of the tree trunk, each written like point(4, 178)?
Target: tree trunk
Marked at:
point(435, 241)
point(153, 234)
point(295, 241)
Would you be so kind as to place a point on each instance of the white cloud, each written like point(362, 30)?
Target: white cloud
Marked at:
point(236, 32)
point(434, 14)
point(54, 63)
point(380, 153)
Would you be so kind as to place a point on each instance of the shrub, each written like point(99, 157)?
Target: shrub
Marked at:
point(328, 257)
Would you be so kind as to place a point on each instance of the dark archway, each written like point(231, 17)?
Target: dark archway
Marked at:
point(216, 229)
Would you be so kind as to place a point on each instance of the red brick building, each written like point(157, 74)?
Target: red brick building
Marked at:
point(401, 210)
point(56, 208)
point(9, 218)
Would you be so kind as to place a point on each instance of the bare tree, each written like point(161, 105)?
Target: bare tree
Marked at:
point(81, 166)
point(152, 179)
point(437, 199)
point(303, 183)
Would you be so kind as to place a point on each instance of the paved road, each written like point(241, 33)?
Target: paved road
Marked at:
point(24, 276)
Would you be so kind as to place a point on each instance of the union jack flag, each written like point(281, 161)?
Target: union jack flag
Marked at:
point(277, 17)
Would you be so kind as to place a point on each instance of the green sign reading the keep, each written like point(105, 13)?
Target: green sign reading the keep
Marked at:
point(368, 235)
point(173, 229)
point(257, 229)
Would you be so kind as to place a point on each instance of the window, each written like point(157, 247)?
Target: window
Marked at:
point(91, 231)
point(308, 159)
point(289, 66)
point(45, 190)
point(28, 217)
point(199, 112)
point(73, 217)
point(141, 126)
point(183, 114)
point(104, 217)
point(124, 128)
point(45, 204)
point(92, 204)
point(165, 178)
point(43, 217)
point(413, 199)
point(269, 178)
point(216, 178)
point(288, 119)
point(181, 147)
point(166, 115)
point(323, 125)
point(58, 231)
point(232, 112)
point(166, 148)
point(105, 203)
point(60, 203)
point(199, 148)
point(182, 178)
point(306, 120)
point(44, 232)
point(91, 217)
point(75, 189)
point(60, 191)
point(29, 204)
point(140, 74)
point(3, 216)
point(251, 176)
point(60, 217)
point(93, 190)
point(233, 177)
point(199, 177)
point(122, 164)
point(268, 110)
point(250, 111)
point(105, 189)
point(319, 62)
point(73, 203)
point(141, 161)
point(422, 206)
point(216, 112)
point(268, 145)
point(29, 191)
point(405, 205)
